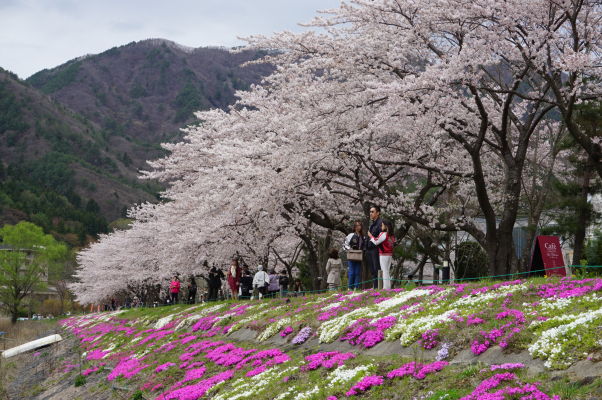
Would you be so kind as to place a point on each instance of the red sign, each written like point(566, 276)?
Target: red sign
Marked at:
point(547, 254)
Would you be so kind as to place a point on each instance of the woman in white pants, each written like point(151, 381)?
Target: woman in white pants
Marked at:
point(385, 242)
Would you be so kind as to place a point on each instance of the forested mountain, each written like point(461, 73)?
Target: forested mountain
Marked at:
point(73, 138)
point(142, 93)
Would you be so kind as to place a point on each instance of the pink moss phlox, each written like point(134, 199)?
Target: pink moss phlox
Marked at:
point(417, 370)
point(193, 374)
point(506, 366)
point(429, 339)
point(154, 336)
point(69, 367)
point(380, 299)
point(327, 359)
point(205, 323)
point(368, 334)
point(474, 320)
point(267, 358)
point(365, 384)
point(286, 331)
point(127, 367)
point(165, 366)
point(525, 391)
point(96, 354)
point(193, 365)
point(197, 390)
point(228, 354)
point(90, 370)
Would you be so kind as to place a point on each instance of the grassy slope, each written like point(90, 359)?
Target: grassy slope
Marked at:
point(516, 314)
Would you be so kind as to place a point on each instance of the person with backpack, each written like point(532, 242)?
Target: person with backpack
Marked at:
point(385, 242)
point(261, 280)
point(234, 273)
point(355, 241)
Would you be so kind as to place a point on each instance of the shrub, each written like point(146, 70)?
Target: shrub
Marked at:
point(80, 380)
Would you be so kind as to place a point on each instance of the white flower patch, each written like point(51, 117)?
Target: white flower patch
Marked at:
point(333, 305)
point(307, 395)
point(273, 328)
point(480, 298)
point(558, 318)
point(400, 299)
point(331, 329)
point(342, 375)
point(244, 388)
point(164, 321)
point(286, 394)
point(410, 330)
point(552, 342)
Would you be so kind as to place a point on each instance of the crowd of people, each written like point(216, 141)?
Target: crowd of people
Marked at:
point(238, 283)
point(375, 248)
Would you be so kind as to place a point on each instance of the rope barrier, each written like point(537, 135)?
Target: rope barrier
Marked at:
point(444, 280)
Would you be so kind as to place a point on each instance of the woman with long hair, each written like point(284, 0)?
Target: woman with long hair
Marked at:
point(355, 241)
point(234, 273)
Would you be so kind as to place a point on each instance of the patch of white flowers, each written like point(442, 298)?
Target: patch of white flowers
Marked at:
point(474, 300)
point(308, 394)
point(553, 343)
point(409, 330)
point(273, 328)
point(164, 321)
point(342, 375)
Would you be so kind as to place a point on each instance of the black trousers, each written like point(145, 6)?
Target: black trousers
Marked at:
point(213, 292)
point(373, 264)
point(174, 298)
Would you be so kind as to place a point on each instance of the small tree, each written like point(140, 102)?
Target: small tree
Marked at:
point(24, 258)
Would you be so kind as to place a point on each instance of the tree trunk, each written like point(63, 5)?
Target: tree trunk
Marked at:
point(500, 251)
point(583, 214)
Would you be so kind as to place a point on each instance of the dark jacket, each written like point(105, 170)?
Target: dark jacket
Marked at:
point(246, 283)
point(375, 231)
point(215, 277)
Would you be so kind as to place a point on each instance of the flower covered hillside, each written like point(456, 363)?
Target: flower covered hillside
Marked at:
point(365, 344)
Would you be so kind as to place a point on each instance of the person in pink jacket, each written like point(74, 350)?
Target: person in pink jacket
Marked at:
point(385, 242)
point(174, 290)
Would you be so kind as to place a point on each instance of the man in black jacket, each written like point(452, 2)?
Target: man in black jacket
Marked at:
point(372, 250)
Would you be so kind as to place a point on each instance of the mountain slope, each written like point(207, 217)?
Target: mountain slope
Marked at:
point(73, 138)
point(56, 168)
point(142, 93)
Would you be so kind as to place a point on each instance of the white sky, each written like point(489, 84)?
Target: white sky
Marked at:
point(38, 34)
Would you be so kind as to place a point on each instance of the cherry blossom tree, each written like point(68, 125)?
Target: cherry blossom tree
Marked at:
point(436, 110)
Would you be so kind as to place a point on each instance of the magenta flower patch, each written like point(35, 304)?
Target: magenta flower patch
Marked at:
point(365, 384)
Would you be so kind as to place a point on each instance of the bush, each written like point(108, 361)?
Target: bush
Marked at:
point(471, 260)
point(50, 306)
point(138, 395)
point(80, 380)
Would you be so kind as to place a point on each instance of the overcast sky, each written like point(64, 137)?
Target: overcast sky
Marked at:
point(38, 34)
